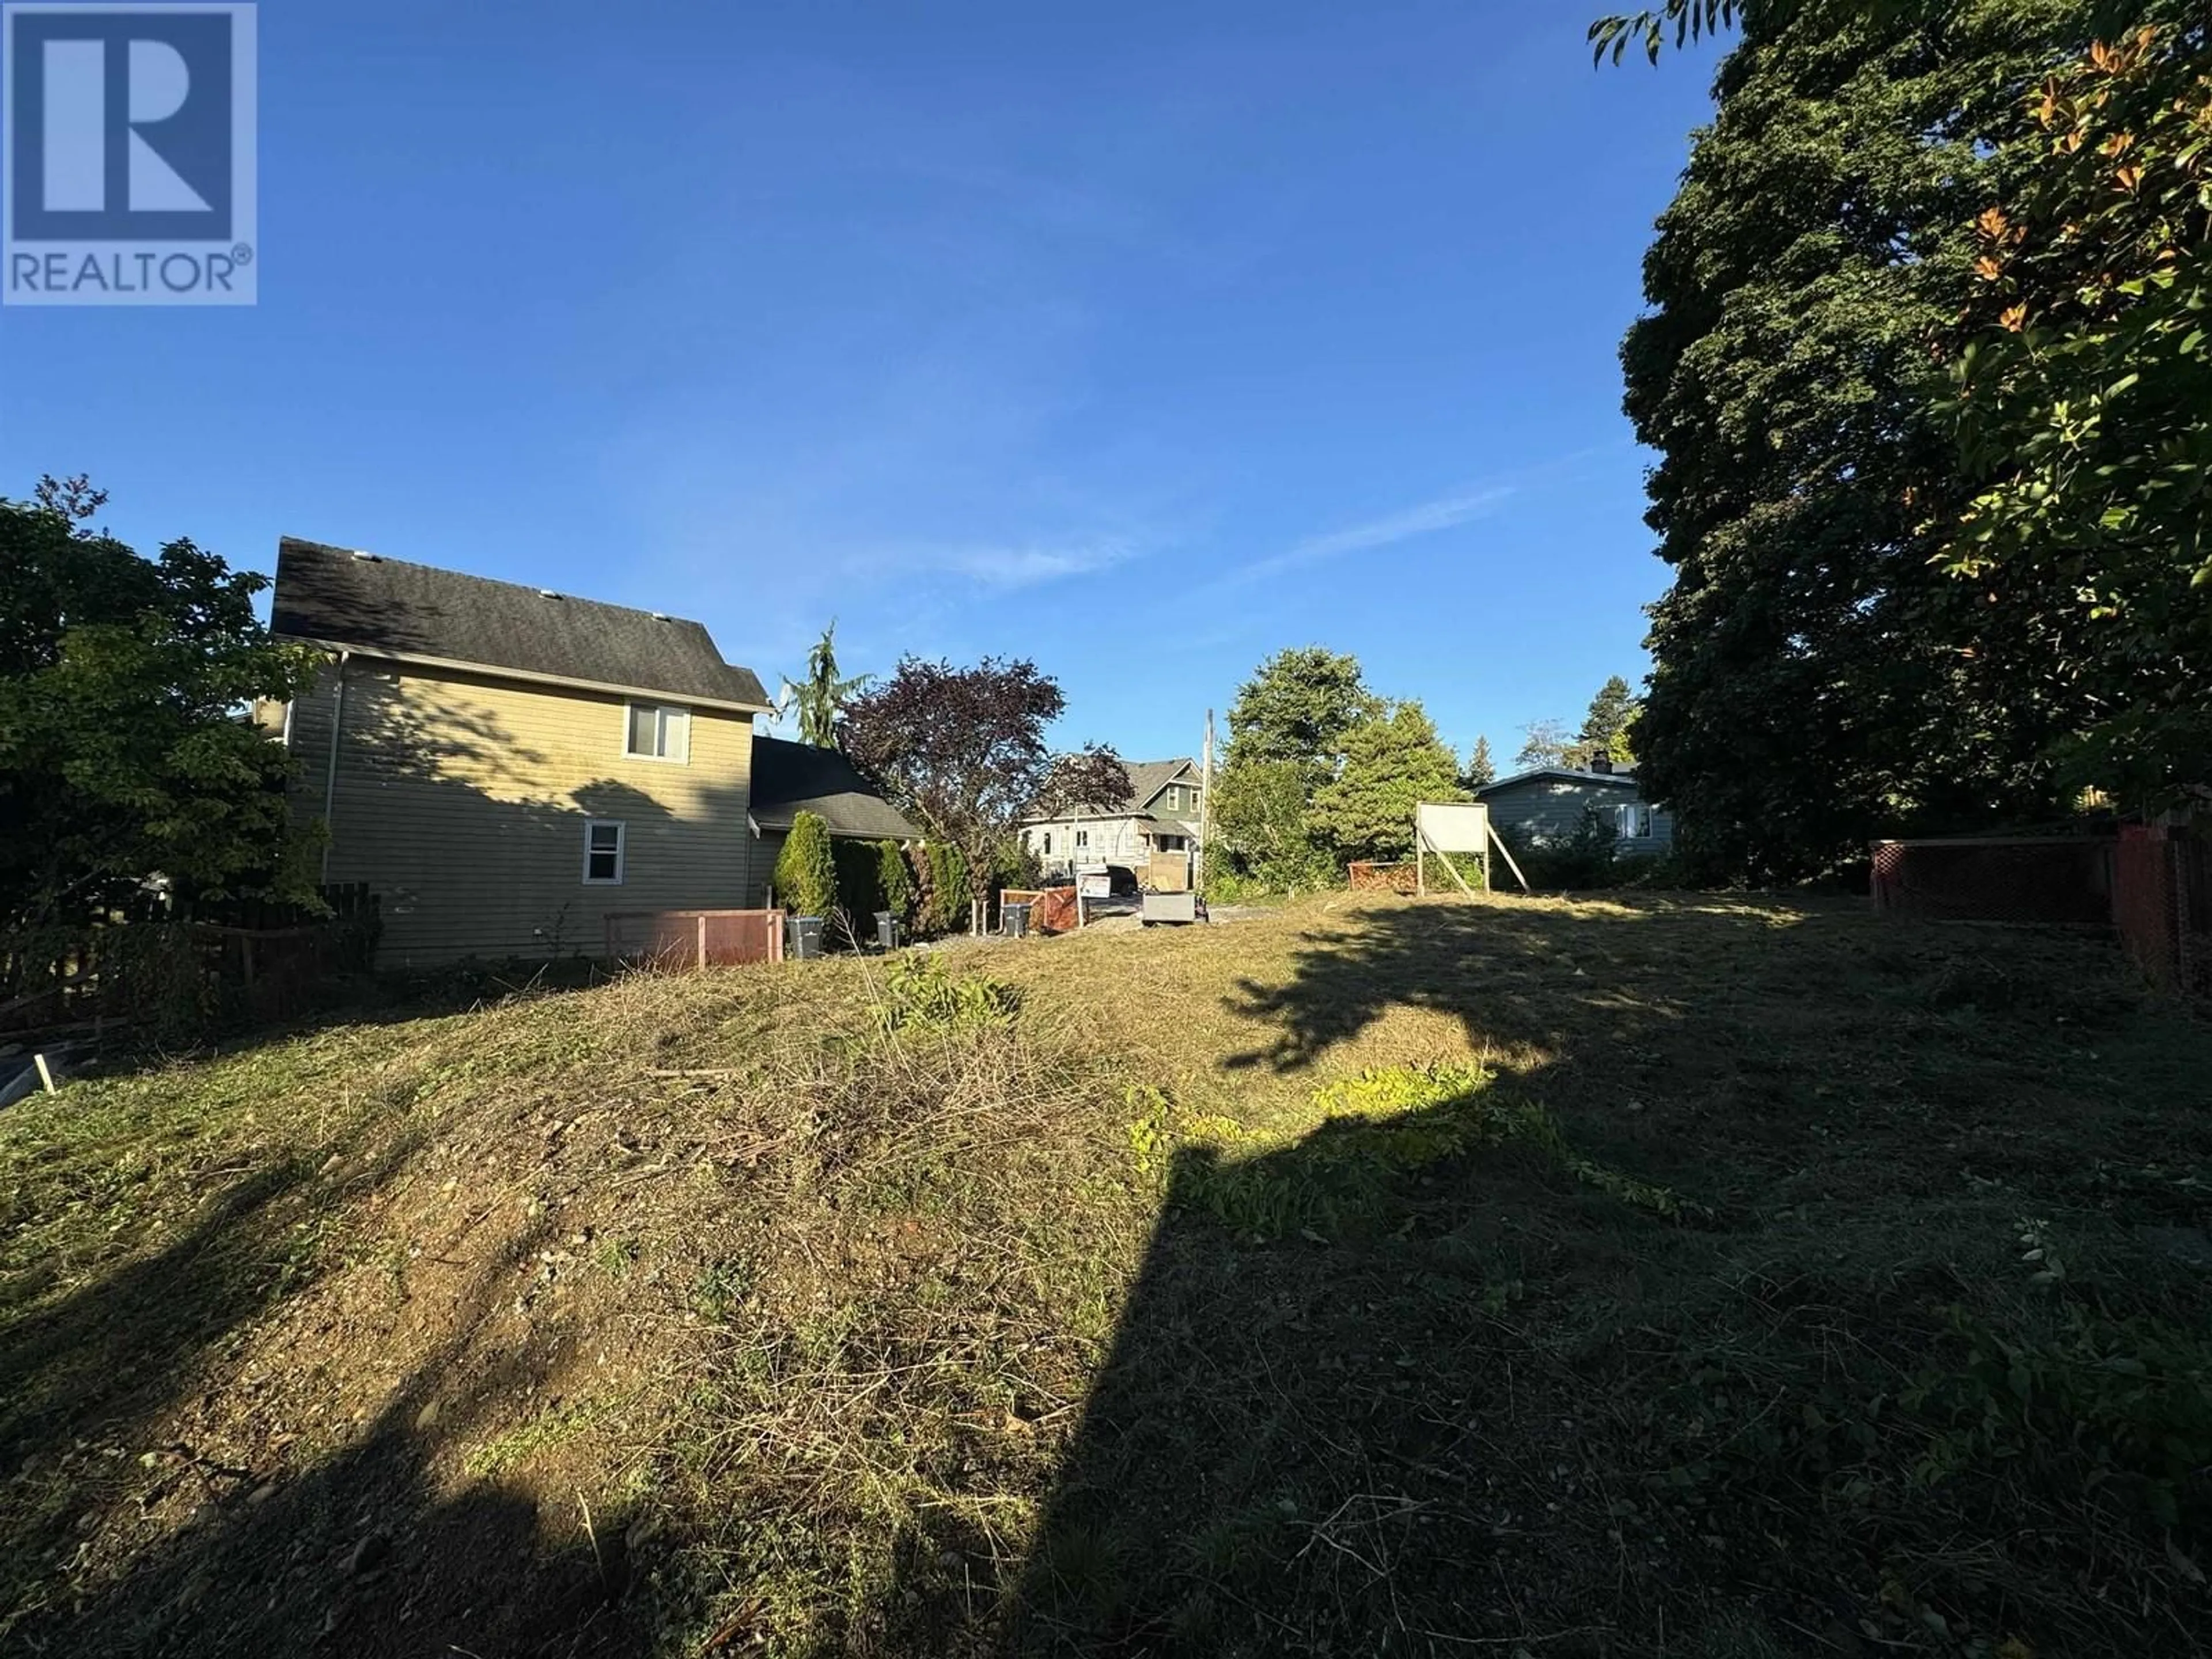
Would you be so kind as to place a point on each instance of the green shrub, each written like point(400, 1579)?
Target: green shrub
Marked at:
point(859, 884)
point(920, 993)
point(895, 880)
point(945, 908)
point(806, 869)
point(1582, 860)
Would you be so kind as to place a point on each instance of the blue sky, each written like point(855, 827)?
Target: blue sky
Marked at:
point(1142, 340)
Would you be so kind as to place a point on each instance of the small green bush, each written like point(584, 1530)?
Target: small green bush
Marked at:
point(895, 880)
point(920, 993)
point(806, 869)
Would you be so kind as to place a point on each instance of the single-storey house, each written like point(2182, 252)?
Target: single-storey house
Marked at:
point(791, 778)
point(505, 766)
point(1154, 828)
point(1548, 803)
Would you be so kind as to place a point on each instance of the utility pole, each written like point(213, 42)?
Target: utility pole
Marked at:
point(1205, 807)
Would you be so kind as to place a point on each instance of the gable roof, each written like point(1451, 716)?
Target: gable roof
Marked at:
point(791, 778)
point(1147, 779)
point(1623, 775)
point(416, 612)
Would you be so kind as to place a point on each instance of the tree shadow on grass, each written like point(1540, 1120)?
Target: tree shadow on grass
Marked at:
point(1362, 1400)
point(147, 1515)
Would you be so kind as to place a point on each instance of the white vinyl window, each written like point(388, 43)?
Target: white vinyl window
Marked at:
point(657, 732)
point(603, 848)
point(1632, 822)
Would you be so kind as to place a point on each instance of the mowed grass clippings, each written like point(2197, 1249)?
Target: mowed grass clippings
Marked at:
point(1700, 1276)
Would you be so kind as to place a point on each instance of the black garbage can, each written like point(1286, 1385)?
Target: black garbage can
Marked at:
point(1014, 921)
point(802, 937)
point(887, 929)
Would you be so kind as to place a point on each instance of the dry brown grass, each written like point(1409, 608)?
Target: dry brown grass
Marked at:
point(704, 1315)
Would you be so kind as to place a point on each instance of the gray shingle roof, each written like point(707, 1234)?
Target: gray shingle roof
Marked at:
point(1147, 779)
point(375, 605)
point(790, 778)
point(1623, 775)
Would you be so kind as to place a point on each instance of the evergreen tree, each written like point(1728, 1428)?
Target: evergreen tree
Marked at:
point(1297, 707)
point(806, 869)
point(1393, 761)
point(1481, 771)
point(821, 699)
point(1605, 728)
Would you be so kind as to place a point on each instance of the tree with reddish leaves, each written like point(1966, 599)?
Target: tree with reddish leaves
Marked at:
point(963, 751)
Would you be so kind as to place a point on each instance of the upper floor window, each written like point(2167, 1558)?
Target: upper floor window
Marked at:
point(657, 732)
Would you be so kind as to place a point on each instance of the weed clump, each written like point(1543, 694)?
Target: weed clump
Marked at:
point(920, 993)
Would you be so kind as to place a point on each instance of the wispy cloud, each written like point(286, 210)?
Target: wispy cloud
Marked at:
point(1409, 524)
point(999, 566)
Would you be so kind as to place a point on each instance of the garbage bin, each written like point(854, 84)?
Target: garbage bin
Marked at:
point(1014, 919)
point(887, 929)
point(802, 937)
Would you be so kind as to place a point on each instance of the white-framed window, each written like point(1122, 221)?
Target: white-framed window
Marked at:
point(604, 844)
point(1172, 800)
point(1083, 838)
point(1048, 843)
point(1632, 821)
point(654, 731)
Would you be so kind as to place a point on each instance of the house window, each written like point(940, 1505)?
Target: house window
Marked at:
point(658, 733)
point(1048, 843)
point(1083, 838)
point(603, 853)
point(1632, 822)
point(1174, 801)
point(1169, 843)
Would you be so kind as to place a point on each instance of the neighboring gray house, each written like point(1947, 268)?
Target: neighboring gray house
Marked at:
point(1160, 820)
point(1546, 805)
point(791, 778)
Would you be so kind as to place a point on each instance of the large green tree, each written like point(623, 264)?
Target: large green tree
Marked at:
point(125, 751)
point(1813, 681)
point(1297, 708)
point(2085, 403)
point(1393, 761)
point(1286, 737)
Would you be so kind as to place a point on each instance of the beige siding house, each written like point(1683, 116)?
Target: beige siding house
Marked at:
point(504, 766)
point(1161, 820)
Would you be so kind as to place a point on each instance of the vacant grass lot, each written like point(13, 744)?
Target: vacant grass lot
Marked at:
point(1689, 1277)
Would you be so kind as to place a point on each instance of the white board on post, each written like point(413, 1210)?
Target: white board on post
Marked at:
point(1453, 826)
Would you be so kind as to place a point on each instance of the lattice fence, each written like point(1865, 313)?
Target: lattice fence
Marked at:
point(2066, 880)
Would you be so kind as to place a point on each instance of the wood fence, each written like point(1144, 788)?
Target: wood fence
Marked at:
point(675, 940)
